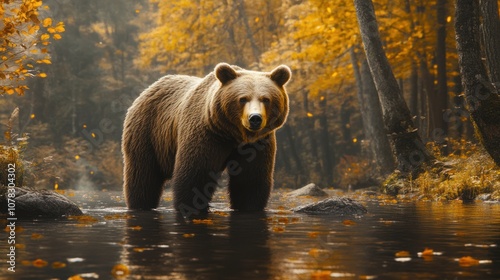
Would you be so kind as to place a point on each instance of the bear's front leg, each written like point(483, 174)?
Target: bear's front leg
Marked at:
point(250, 170)
point(197, 168)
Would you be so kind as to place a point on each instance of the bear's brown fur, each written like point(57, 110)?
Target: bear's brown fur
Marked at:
point(188, 130)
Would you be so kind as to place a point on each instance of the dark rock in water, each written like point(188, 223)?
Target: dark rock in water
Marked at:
point(333, 205)
point(308, 190)
point(39, 203)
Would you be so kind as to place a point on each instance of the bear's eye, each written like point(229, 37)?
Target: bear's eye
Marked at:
point(265, 100)
point(243, 100)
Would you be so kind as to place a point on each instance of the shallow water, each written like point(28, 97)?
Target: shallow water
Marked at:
point(277, 244)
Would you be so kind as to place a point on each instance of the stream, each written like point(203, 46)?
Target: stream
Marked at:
point(278, 244)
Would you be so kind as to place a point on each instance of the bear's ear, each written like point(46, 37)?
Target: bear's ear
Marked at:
point(281, 74)
point(225, 73)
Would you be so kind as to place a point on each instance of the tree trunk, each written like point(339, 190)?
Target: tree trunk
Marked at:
point(240, 4)
point(440, 128)
point(308, 126)
point(428, 90)
point(295, 155)
point(410, 151)
point(371, 113)
point(375, 127)
point(414, 91)
point(490, 29)
point(327, 155)
point(482, 98)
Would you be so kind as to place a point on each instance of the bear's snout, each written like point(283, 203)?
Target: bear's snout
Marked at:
point(255, 121)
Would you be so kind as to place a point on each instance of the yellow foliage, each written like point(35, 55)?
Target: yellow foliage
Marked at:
point(19, 48)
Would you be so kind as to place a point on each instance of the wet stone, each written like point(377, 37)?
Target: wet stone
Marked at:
point(308, 190)
point(39, 204)
point(333, 205)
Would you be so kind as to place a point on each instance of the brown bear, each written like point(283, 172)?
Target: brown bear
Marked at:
point(188, 130)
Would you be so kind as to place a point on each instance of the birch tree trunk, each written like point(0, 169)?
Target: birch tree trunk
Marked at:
point(481, 96)
point(408, 147)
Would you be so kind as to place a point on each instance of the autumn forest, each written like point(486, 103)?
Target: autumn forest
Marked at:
point(428, 119)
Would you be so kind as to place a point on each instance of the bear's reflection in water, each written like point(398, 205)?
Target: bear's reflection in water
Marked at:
point(170, 246)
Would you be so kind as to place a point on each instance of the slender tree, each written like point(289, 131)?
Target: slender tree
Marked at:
point(409, 149)
point(481, 96)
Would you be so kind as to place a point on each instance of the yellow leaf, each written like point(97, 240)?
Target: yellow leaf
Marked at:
point(60, 28)
point(120, 270)
point(58, 265)
point(46, 61)
point(42, 75)
point(10, 91)
point(45, 37)
point(47, 22)
point(468, 261)
point(57, 37)
point(51, 30)
point(39, 263)
point(310, 115)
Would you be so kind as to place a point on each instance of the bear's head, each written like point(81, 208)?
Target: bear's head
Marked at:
point(252, 104)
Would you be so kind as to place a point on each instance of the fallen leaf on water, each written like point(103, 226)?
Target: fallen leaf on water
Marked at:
point(18, 229)
point(320, 275)
point(36, 236)
point(75, 277)
point(84, 219)
point(39, 263)
point(314, 252)
point(468, 261)
point(283, 220)
point(402, 254)
point(221, 213)
point(313, 234)
point(278, 229)
point(26, 263)
point(349, 222)
point(135, 228)
point(120, 270)
point(58, 265)
point(188, 235)
point(139, 250)
point(117, 216)
point(203, 221)
point(427, 252)
point(295, 220)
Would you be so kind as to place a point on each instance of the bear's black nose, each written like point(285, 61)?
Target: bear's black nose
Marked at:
point(255, 121)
